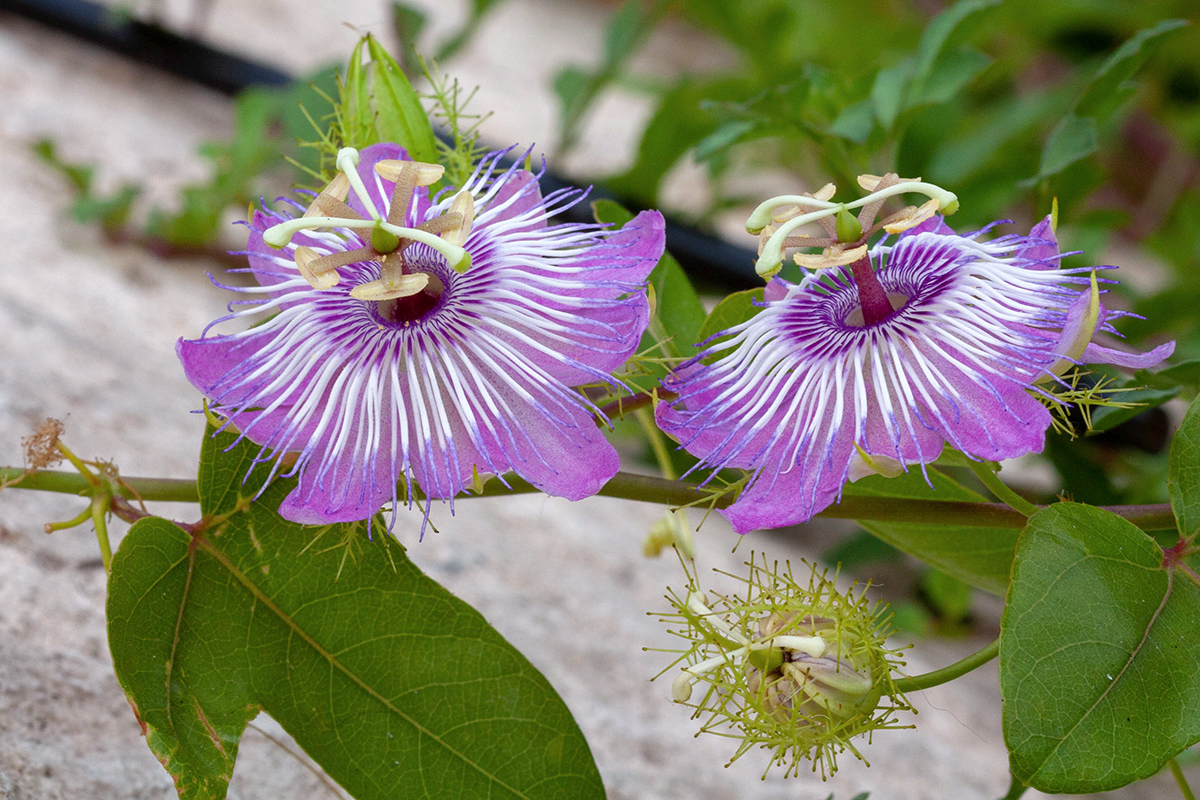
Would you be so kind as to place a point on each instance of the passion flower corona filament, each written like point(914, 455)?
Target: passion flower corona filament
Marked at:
point(882, 354)
point(416, 340)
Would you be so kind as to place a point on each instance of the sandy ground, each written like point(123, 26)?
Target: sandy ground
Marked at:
point(88, 334)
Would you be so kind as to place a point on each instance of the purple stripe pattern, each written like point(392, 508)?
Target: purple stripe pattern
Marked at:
point(979, 328)
point(478, 377)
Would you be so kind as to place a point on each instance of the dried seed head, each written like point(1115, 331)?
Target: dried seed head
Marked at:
point(41, 446)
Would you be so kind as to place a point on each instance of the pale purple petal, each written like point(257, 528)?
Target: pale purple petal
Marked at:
point(1095, 354)
point(789, 394)
point(476, 378)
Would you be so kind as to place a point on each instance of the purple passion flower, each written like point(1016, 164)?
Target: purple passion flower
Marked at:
point(818, 388)
point(416, 340)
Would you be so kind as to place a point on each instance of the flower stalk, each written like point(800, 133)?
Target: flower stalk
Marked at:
point(644, 488)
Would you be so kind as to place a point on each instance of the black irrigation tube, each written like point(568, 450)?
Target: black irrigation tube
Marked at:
point(705, 257)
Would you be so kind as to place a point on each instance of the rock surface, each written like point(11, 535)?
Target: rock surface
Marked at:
point(88, 337)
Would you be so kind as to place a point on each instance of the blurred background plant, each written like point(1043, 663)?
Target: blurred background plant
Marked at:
point(1011, 104)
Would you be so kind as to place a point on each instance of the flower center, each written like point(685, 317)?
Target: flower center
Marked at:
point(402, 294)
point(874, 304)
point(404, 311)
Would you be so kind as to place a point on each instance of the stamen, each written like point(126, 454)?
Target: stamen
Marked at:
point(871, 182)
point(402, 286)
point(321, 271)
point(910, 217)
point(771, 258)
point(406, 181)
point(426, 174)
point(337, 189)
point(333, 207)
point(317, 278)
point(831, 257)
point(279, 235)
point(464, 207)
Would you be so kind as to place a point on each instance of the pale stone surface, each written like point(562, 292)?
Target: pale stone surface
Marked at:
point(88, 336)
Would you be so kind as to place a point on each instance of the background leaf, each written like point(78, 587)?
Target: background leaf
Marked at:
point(980, 557)
point(1184, 477)
point(676, 310)
point(1099, 667)
point(394, 686)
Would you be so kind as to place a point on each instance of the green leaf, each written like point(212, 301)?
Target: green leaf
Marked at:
point(460, 38)
point(677, 124)
point(887, 93)
point(1183, 480)
point(1102, 96)
point(1073, 139)
point(949, 597)
point(1184, 376)
point(399, 115)
point(395, 687)
point(1099, 668)
point(678, 313)
point(725, 136)
point(980, 557)
point(733, 310)
point(408, 22)
point(950, 75)
point(629, 26)
point(1106, 418)
point(855, 122)
point(938, 32)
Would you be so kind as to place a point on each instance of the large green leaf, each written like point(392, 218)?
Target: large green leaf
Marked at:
point(678, 313)
point(1099, 667)
point(1100, 97)
point(394, 686)
point(981, 557)
point(1184, 476)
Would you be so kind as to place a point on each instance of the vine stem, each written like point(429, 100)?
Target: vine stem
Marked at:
point(1184, 789)
point(999, 488)
point(948, 673)
point(644, 488)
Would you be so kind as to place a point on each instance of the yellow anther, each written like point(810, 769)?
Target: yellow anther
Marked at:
point(322, 279)
point(464, 205)
point(831, 257)
point(427, 174)
point(404, 286)
point(911, 216)
point(826, 192)
point(871, 182)
point(338, 188)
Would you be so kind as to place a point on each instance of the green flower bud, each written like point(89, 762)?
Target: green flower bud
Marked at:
point(798, 670)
